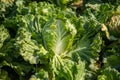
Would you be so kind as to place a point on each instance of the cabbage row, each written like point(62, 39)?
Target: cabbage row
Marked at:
point(59, 40)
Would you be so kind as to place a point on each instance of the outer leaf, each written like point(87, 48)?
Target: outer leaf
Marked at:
point(41, 75)
point(113, 61)
point(65, 68)
point(114, 26)
point(4, 75)
point(88, 42)
point(109, 74)
point(28, 47)
point(4, 35)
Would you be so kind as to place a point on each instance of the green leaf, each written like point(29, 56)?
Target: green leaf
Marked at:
point(65, 68)
point(40, 75)
point(28, 47)
point(113, 26)
point(4, 35)
point(57, 36)
point(4, 75)
point(109, 74)
point(113, 61)
point(88, 42)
